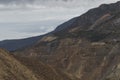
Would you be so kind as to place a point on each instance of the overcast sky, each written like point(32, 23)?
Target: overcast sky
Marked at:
point(25, 18)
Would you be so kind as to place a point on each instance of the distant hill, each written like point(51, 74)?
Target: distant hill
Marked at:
point(13, 45)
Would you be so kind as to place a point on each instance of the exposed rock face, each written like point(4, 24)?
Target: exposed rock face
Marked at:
point(87, 49)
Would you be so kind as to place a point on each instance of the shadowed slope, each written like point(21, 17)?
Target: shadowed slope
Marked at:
point(27, 69)
point(42, 70)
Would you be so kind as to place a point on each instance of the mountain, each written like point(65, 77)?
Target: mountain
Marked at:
point(84, 48)
point(87, 48)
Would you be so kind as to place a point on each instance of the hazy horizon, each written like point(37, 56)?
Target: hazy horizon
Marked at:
point(27, 18)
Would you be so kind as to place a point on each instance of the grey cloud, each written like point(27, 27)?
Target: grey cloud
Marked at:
point(38, 4)
point(16, 1)
point(50, 2)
